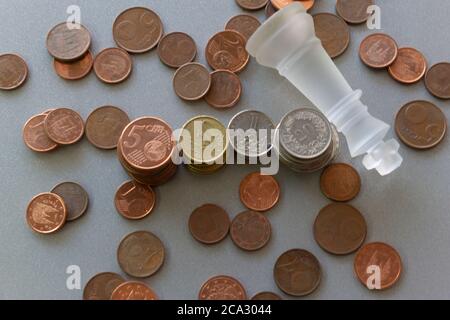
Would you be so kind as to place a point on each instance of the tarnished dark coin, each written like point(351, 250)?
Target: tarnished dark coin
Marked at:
point(192, 81)
point(105, 125)
point(134, 200)
point(209, 224)
point(378, 50)
point(267, 296)
point(245, 24)
point(137, 30)
point(252, 4)
point(226, 50)
point(270, 9)
point(420, 125)
point(259, 192)
point(68, 42)
point(113, 65)
point(353, 11)
point(133, 290)
point(101, 286)
point(437, 80)
point(141, 254)
point(409, 67)
point(333, 32)
point(46, 213)
point(64, 126)
point(176, 49)
point(74, 70)
point(222, 288)
point(225, 90)
point(297, 272)
point(250, 230)
point(340, 182)
point(35, 137)
point(13, 71)
point(75, 198)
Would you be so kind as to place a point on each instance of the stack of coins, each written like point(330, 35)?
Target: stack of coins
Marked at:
point(145, 151)
point(306, 141)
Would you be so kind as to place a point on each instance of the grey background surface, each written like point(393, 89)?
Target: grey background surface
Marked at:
point(408, 209)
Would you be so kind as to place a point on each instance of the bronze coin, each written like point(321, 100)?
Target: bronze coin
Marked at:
point(270, 9)
point(46, 213)
point(68, 43)
point(192, 81)
point(75, 198)
point(101, 286)
point(225, 91)
point(13, 71)
point(297, 272)
point(133, 290)
point(266, 296)
point(340, 182)
point(409, 67)
point(209, 224)
point(250, 230)
point(259, 192)
point(333, 32)
point(437, 80)
point(64, 126)
point(35, 137)
point(74, 70)
point(141, 254)
point(105, 125)
point(420, 125)
point(226, 50)
point(280, 4)
point(222, 288)
point(137, 30)
point(134, 200)
point(176, 49)
point(340, 229)
point(353, 11)
point(252, 4)
point(113, 65)
point(382, 256)
point(245, 24)
point(378, 50)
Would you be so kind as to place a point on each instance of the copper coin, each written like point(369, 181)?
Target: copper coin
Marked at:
point(222, 288)
point(333, 32)
point(75, 198)
point(421, 125)
point(209, 224)
point(68, 42)
point(133, 290)
point(101, 286)
point(270, 9)
point(259, 192)
point(46, 213)
point(409, 67)
point(176, 49)
point(137, 30)
point(35, 137)
point(308, 4)
point(280, 4)
point(353, 11)
point(134, 200)
point(378, 50)
point(141, 254)
point(382, 256)
point(250, 230)
point(64, 126)
point(105, 125)
point(13, 71)
point(267, 296)
point(192, 81)
point(113, 65)
point(226, 50)
point(297, 272)
point(225, 91)
point(437, 80)
point(340, 229)
point(74, 70)
point(340, 182)
point(252, 4)
point(245, 24)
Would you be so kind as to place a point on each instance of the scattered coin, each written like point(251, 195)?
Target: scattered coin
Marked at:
point(35, 137)
point(176, 49)
point(250, 230)
point(64, 126)
point(225, 91)
point(333, 32)
point(101, 286)
point(137, 30)
point(382, 256)
point(134, 200)
point(259, 192)
point(209, 224)
point(340, 182)
point(297, 272)
point(105, 125)
point(420, 125)
point(133, 290)
point(68, 43)
point(353, 11)
point(141, 254)
point(222, 288)
point(270, 9)
point(74, 70)
point(226, 50)
point(75, 198)
point(280, 4)
point(308, 4)
point(192, 81)
point(113, 65)
point(378, 50)
point(245, 24)
point(437, 80)
point(252, 4)
point(46, 213)
point(409, 67)
point(13, 71)
point(267, 296)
